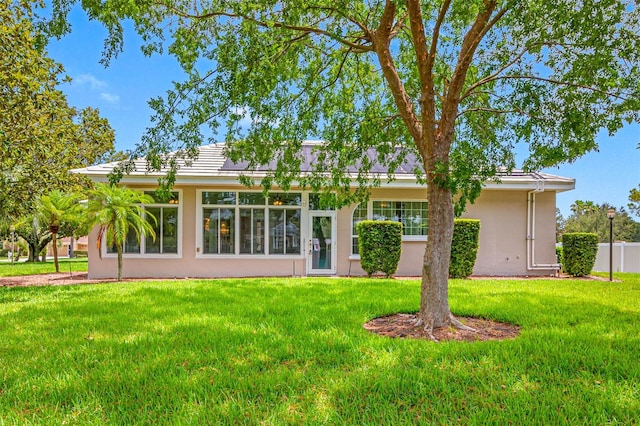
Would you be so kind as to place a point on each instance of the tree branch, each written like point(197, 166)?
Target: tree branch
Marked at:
point(381, 43)
point(491, 77)
point(558, 82)
point(479, 28)
point(300, 28)
point(491, 110)
point(425, 60)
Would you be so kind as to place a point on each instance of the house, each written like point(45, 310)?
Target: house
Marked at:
point(80, 246)
point(212, 226)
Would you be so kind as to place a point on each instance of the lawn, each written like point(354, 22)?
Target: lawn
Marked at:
point(23, 268)
point(282, 351)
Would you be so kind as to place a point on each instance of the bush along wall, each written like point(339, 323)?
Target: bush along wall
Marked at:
point(579, 251)
point(560, 256)
point(380, 245)
point(464, 247)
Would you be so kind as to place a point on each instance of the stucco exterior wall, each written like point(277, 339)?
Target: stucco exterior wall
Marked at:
point(503, 242)
point(186, 264)
point(504, 232)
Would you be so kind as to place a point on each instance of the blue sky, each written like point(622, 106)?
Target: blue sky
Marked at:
point(122, 91)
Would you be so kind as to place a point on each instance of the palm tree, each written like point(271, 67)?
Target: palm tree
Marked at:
point(118, 210)
point(53, 210)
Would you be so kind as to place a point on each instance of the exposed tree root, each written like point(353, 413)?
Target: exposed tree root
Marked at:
point(459, 325)
point(428, 325)
point(404, 326)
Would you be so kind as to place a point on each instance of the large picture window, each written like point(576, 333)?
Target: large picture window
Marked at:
point(165, 211)
point(247, 223)
point(412, 215)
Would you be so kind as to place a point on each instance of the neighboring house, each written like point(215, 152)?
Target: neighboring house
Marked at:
point(215, 227)
point(79, 245)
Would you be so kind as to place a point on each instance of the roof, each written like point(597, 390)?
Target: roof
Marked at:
point(213, 167)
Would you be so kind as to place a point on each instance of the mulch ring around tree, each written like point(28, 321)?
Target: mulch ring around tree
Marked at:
point(403, 326)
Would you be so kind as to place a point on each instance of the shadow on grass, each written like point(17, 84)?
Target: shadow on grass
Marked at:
point(294, 351)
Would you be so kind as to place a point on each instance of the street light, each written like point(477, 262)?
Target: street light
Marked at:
point(611, 213)
point(12, 229)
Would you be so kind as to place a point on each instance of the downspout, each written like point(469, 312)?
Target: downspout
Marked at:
point(531, 231)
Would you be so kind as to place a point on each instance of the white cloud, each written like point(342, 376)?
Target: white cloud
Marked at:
point(90, 80)
point(90, 83)
point(109, 97)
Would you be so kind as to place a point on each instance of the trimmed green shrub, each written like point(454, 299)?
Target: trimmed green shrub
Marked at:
point(464, 247)
point(579, 251)
point(380, 245)
point(80, 253)
point(560, 255)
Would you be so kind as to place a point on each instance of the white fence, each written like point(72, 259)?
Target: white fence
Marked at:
point(626, 257)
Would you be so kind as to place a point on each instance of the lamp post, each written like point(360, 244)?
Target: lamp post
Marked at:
point(12, 229)
point(611, 213)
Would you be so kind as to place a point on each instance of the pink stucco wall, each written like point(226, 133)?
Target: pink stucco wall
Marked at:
point(503, 242)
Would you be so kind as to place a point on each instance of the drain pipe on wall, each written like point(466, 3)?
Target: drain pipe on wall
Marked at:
point(531, 232)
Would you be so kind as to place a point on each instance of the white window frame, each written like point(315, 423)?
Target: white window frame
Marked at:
point(142, 254)
point(237, 207)
point(370, 217)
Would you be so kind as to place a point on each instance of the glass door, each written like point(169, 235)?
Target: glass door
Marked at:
point(322, 244)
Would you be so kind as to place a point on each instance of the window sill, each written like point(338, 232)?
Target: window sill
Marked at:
point(143, 256)
point(250, 256)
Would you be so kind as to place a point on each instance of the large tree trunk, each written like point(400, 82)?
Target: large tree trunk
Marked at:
point(34, 250)
point(434, 297)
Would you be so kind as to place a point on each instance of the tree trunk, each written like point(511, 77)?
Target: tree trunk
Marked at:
point(119, 262)
point(54, 240)
point(434, 297)
point(34, 254)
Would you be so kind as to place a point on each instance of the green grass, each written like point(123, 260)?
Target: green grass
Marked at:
point(293, 351)
point(23, 268)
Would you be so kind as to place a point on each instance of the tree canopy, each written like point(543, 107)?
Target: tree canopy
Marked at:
point(118, 212)
point(458, 84)
point(586, 216)
point(41, 136)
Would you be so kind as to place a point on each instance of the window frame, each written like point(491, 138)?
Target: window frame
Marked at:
point(141, 254)
point(369, 216)
point(268, 206)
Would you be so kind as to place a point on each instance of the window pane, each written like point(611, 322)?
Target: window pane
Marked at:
point(412, 215)
point(210, 230)
point(285, 199)
point(251, 198)
point(415, 218)
point(359, 214)
point(227, 231)
point(276, 231)
point(218, 197)
point(218, 231)
point(164, 198)
point(132, 245)
point(292, 242)
point(170, 230)
point(252, 231)
point(386, 210)
point(150, 245)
